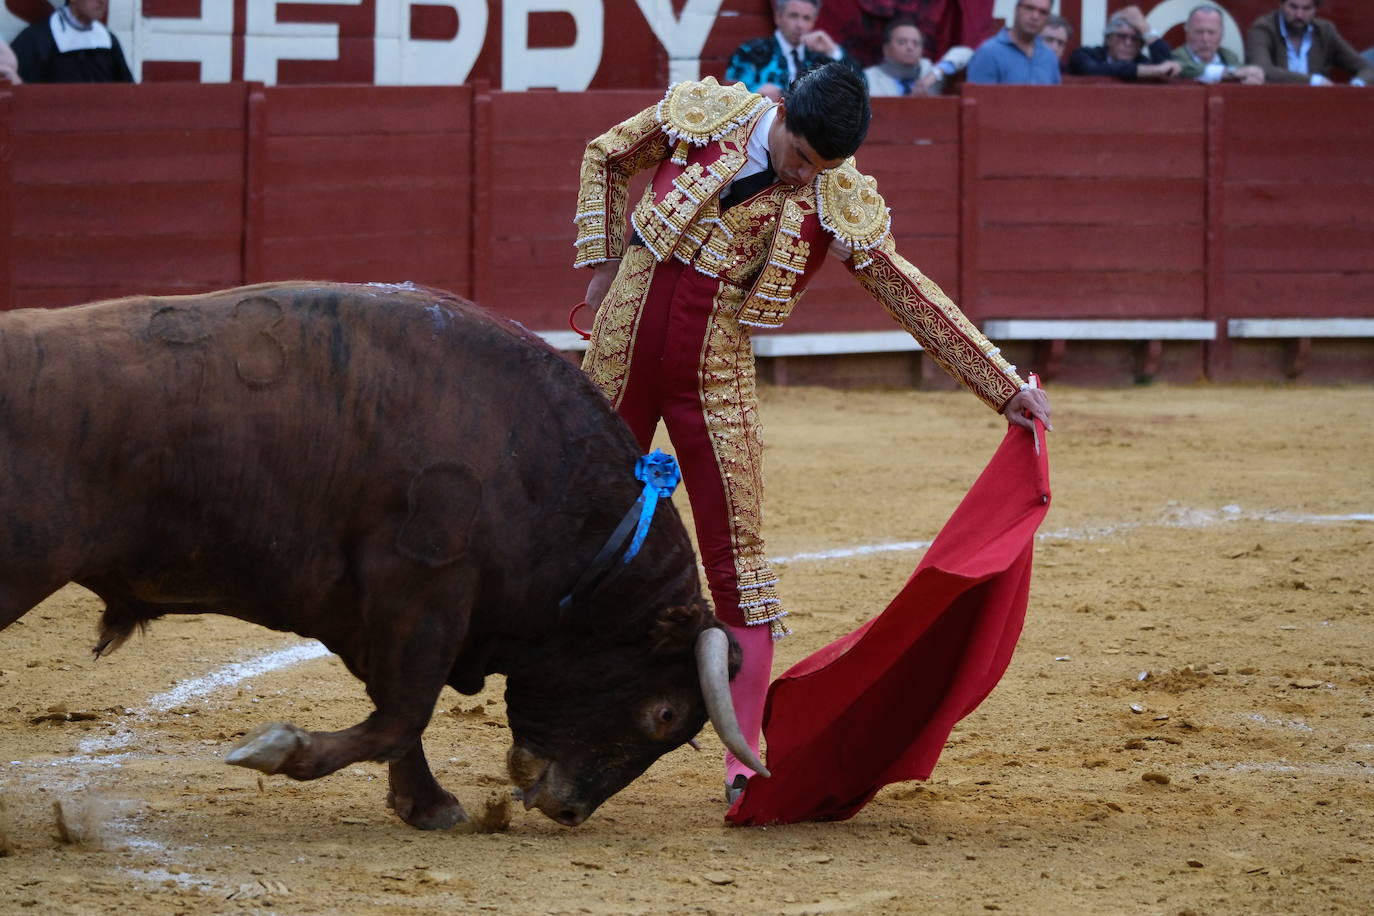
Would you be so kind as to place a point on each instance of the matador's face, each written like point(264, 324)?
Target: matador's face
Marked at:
point(793, 158)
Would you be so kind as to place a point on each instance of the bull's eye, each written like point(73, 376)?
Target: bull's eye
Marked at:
point(662, 719)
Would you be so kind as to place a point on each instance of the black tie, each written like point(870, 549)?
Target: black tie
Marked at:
point(747, 187)
point(797, 60)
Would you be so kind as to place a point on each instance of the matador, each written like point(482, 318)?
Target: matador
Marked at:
point(746, 201)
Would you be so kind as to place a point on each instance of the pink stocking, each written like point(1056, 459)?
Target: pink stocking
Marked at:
point(749, 689)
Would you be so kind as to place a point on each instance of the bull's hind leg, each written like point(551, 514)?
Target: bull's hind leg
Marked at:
point(407, 660)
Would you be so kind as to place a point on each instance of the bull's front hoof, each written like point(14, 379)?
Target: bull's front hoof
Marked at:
point(268, 747)
point(437, 814)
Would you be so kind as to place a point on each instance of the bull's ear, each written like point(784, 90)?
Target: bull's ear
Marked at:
point(678, 625)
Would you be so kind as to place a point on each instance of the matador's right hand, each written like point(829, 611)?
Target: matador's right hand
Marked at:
point(602, 276)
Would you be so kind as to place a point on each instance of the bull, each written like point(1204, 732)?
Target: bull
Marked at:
point(420, 486)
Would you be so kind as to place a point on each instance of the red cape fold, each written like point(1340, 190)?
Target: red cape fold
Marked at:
point(877, 706)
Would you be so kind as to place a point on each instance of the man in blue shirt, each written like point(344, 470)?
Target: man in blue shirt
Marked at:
point(1016, 54)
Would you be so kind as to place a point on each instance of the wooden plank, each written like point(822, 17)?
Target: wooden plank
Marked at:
point(152, 156)
point(130, 262)
point(536, 116)
point(1312, 248)
point(1150, 113)
point(920, 121)
point(78, 211)
point(1292, 157)
point(1217, 355)
point(1092, 294)
point(357, 112)
point(1286, 294)
point(901, 168)
point(94, 108)
point(1343, 118)
point(971, 202)
point(1315, 201)
point(433, 259)
point(1072, 201)
point(334, 161)
point(255, 183)
point(7, 299)
point(1018, 154)
point(326, 213)
point(1089, 248)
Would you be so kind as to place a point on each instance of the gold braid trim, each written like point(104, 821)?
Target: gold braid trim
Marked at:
point(849, 206)
point(699, 112)
point(922, 308)
point(609, 352)
point(730, 408)
point(603, 195)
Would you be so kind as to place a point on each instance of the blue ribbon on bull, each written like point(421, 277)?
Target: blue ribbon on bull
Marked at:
point(660, 475)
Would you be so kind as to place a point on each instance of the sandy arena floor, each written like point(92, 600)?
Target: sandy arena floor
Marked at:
point(1187, 726)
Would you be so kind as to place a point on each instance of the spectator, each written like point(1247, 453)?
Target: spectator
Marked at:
point(769, 65)
point(9, 65)
point(1202, 57)
point(72, 46)
point(904, 70)
point(1291, 45)
point(1124, 56)
point(1056, 34)
point(1016, 54)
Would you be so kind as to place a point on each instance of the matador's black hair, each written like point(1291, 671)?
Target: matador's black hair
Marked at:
point(829, 108)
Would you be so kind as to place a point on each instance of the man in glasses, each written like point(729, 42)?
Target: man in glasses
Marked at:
point(1016, 54)
point(1133, 51)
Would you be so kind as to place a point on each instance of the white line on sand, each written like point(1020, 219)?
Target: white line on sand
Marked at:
point(1174, 517)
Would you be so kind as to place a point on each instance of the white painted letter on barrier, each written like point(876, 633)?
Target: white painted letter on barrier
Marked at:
point(682, 37)
point(571, 68)
point(400, 60)
point(267, 41)
point(207, 40)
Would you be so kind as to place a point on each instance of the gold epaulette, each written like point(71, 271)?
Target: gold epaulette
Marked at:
point(850, 207)
point(696, 113)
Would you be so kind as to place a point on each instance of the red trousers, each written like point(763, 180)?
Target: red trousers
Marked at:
point(666, 345)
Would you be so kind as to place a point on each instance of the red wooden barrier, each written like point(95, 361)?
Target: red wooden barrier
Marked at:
point(124, 189)
point(1022, 202)
point(913, 152)
point(1297, 191)
point(6, 201)
point(1085, 201)
point(533, 144)
point(362, 183)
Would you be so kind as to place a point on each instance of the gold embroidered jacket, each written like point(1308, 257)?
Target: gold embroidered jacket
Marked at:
point(774, 243)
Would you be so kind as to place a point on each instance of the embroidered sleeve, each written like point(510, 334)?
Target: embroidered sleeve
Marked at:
point(922, 308)
point(603, 195)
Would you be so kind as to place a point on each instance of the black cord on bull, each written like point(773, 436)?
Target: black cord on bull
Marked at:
point(660, 474)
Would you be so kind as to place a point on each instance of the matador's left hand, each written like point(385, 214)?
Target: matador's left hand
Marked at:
point(1027, 406)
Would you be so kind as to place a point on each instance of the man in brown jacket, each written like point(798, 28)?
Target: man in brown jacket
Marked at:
point(1292, 45)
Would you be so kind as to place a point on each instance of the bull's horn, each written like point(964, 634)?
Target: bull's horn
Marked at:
point(713, 668)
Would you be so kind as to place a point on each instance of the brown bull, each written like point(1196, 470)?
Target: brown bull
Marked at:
point(389, 470)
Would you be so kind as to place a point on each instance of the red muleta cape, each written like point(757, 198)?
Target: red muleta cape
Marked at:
point(876, 706)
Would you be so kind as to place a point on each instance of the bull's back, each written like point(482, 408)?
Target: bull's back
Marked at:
point(280, 420)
